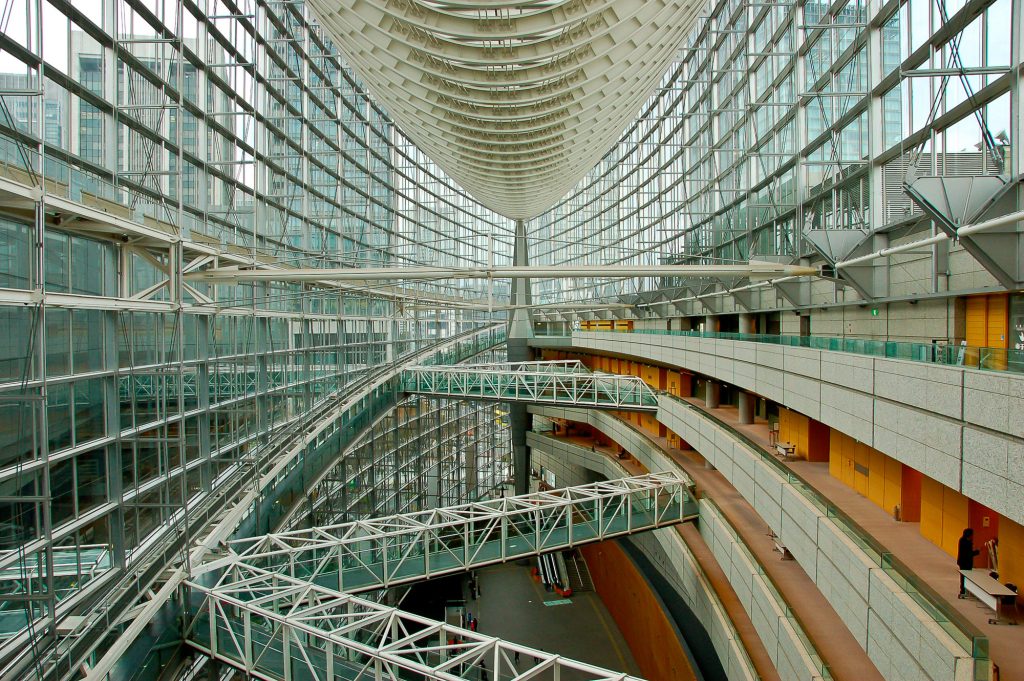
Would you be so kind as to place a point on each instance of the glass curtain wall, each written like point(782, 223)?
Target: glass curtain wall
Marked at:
point(782, 117)
point(141, 142)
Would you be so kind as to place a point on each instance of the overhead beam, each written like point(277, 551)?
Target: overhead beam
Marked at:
point(754, 270)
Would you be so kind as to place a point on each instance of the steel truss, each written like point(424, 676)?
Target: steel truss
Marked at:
point(382, 552)
point(274, 627)
point(533, 382)
point(564, 366)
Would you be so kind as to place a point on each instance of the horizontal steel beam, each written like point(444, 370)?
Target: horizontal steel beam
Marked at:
point(752, 270)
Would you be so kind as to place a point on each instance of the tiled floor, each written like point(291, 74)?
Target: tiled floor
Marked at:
point(511, 607)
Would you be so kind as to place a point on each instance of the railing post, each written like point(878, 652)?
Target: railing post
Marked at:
point(247, 639)
point(568, 510)
point(286, 652)
point(213, 625)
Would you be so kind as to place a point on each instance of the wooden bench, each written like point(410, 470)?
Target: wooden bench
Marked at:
point(989, 591)
point(786, 450)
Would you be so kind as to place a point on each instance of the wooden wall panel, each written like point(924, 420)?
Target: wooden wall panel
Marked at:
point(954, 518)
point(651, 636)
point(910, 494)
point(1011, 553)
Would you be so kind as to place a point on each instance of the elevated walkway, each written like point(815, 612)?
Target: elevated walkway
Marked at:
point(557, 383)
point(278, 609)
point(276, 628)
point(382, 552)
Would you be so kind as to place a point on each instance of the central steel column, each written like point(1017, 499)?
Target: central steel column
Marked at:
point(520, 331)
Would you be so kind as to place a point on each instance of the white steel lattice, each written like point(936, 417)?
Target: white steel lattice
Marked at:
point(556, 383)
point(274, 627)
point(382, 552)
point(278, 608)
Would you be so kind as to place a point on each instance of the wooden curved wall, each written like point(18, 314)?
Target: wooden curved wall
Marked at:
point(638, 612)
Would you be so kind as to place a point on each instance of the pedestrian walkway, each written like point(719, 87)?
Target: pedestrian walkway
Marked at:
point(568, 384)
point(933, 566)
point(381, 552)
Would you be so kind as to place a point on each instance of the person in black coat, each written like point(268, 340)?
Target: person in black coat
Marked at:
point(965, 553)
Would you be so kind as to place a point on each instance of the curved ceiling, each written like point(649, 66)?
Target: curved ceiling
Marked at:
point(516, 101)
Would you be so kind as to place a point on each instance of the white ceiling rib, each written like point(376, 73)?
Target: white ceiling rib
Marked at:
point(516, 101)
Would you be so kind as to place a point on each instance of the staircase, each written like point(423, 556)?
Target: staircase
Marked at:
point(579, 574)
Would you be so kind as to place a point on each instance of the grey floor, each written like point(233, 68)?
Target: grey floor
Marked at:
point(511, 607)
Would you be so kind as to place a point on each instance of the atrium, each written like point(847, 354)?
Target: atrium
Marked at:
point(698, 324)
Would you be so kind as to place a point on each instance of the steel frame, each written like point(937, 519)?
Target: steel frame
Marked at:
point(255, 620)
point(730, 163)
point(536, 382)
point(375, 553)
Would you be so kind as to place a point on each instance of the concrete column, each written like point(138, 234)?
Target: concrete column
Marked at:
point(747, 401)
point(746, 322)
point(712, 394)
point(520, 330)
point(711, 323)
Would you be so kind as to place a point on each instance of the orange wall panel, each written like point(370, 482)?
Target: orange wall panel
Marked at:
point(817, 440)
point(1011, 553)
point(910, 494)
point(849, 458)
point(931, 510)
point(675, 380)
point(835, 454)
point(648, 632)
point(987, 324)
point(793, 428)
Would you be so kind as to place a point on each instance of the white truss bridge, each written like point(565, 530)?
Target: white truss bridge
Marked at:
point(280, 607)
point(565, 383)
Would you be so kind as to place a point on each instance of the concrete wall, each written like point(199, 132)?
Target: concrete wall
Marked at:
point(897, 634)
point(781, 634)
point(955, 425)
point(664, 547)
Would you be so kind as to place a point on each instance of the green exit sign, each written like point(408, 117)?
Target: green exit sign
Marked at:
point(874, 312)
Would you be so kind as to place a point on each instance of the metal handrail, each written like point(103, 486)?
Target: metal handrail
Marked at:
point(945, 354)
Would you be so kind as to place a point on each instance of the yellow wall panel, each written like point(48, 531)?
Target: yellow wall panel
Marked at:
point(977, 321)
point(849, 457)
point(861, 464)
point(835, 454)
point(997, 320)
point(954, 518)
point(893, 485)
point(793, 427)
point(1011, 552)
point(876, 477)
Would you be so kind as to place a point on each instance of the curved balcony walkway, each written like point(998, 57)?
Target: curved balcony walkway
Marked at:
point(931, 564)
point(833, 640)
